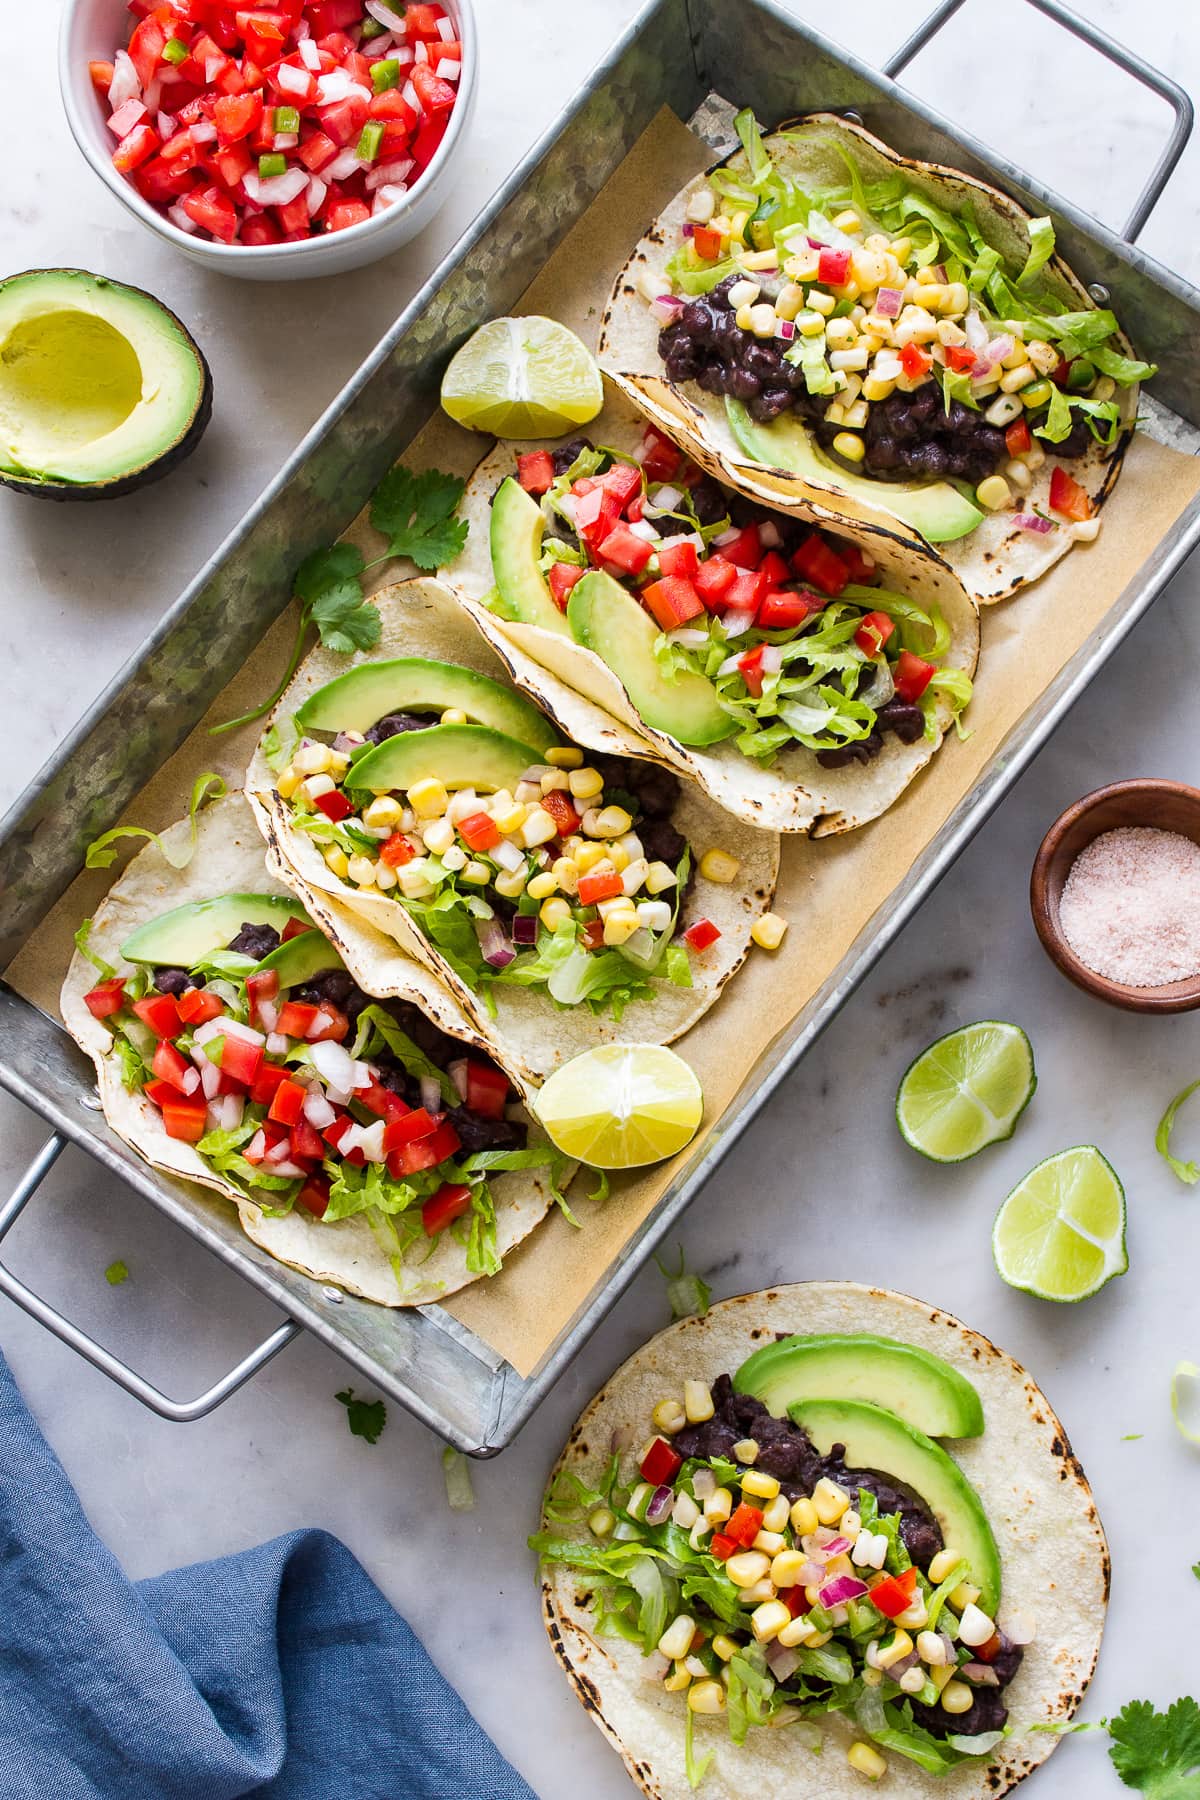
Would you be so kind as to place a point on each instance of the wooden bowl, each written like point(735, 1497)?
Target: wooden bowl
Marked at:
point(1164, 805)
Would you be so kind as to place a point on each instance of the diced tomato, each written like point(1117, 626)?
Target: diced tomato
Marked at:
point(295, 928)
point(535, 471)
point(660, 458)
point(261, 229)
point(213, 210)
point(122, 122)
point(745, 549)
point(661, 1463)
point(333, 1135)
point(424, 1153)
point(381, 1101)
point(421, 21)
point(236, 116)
point(135, 149)
point(344, 119)
point(316, 151)
point(294, 218)
point(416, 1123)
point(265, 1083)
point(796, 1600)
point(161, 1092)
point(672, 601)
point(263, 985)
point(961, 357)
point(160, 1012)
point(622, 481)
point(345, 214)
point(750, 668)
point(307, 1144)
point(102, 76)
point(594, 888)
point(197, 1005)
point(105, 999)
point(1017, 438)
point(330, 1026)
point(874, 630)
point(562, 577)
point(241, 1060)
point(161, 182)
point(911, 676)
point(626, 549)
point(775, 568)
point(702, 934)
point(814, 561)
point(894, 1594)
point(914, 361)
point(783, 609)
point(707, 243)
point(435, 95)
point(859, 567)
point(449, 1203)
point(182, 151)
point(596, 512)
point(558, 805)
point(745, 1525)
point(396, 851)
point(682, 559)
point(145, 49)
point(333, 15)
point(230, 166)
point(1067, 497)
point(747, 591)
point(487, 1090)
point(713, 580)
point(479, 831)
point(1062, 374)
point(428, 138)
point(833, 268)
point(334, 804)
point(185, 1119)
point(171, 1067)
point(635, 512)
point(296, 1018)
point(288, 1104)
point(314, 1195)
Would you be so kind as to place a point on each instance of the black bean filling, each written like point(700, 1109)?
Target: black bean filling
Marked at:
point(908, 436)
point(392, 724)
point(905, 721)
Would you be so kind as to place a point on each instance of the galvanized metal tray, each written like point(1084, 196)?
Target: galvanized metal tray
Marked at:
point(427, 1361)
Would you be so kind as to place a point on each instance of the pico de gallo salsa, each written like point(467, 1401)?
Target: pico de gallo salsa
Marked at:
point(275, 124)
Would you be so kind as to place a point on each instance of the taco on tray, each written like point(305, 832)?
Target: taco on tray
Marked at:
point(824, 1518)
point(362, 1143)
point(802, 677)
point(564, 900)
point(891, 340)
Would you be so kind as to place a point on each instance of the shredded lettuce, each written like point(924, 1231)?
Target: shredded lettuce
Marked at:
point(1041, 249)
point(1188, 1172)
point(279, 742)
point(105, 970)
point(102, 855)
point(1185, 1402)
point(687, 1295)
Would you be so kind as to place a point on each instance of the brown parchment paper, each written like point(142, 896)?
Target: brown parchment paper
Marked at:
point(841, 880)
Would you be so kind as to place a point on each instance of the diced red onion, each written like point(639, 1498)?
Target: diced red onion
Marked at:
point(623, 1438)
point(781, 1661)
point(370, 1140)
point(654, 1668)
point(388, 174)
point(704, 1484)
point(286, 140)
point(277, 1044)
point(665, 500)
point(992, 355)
point(315, 198)
point(979, 1674)
point(457, 1071)
point(362, 1074)
point(178, 217)
point(733, 623)
point(210, 1076)
point(812, 1573)
point(342, 167)
point(226, 1111)
point(888, 302)
point(288, 1168)
point(688, 229)
point(310, 56)
point(318, 1111)
point(212, 68)
point(666, 308)
point(421, 51)
point(124, 84)
point(256, 1149)
point(645, 530)
point(279, 1152)
point(333, 87)
point(335, 1065)
point(494, 945)
point(1034, 522)
point(836, 1545)
point(769, 535)
point(524, 928)
point(448, 68)
point(897, 1669)
point(431, 1094)
point(785, 328)
point(413, 99)
point(659, 1508)
point(165, 124)
point(815, 243)
point(404, 54)
point(841, 1589)
point(267, 1012)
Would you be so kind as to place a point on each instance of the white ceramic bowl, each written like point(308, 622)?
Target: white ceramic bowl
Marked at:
point(93, 29)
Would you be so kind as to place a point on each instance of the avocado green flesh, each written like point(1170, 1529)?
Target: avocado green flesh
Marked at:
point(360, 698)
point(186, 935)
point(913, 1383)
point(607, 619)
point(516, 532)
point(100, 386)
point(877, 1440)
point(461, 756)
point(302, 957)
point(936, 509)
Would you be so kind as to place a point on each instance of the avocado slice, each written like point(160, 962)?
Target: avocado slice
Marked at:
point(516, 529)
point(459, 755)
point(185, 935)
point(935, 508)
point(876, 1439)
point(356, 700)
point(607, 619)
point(307, 954)
point(102, 390)
point(913, 1383)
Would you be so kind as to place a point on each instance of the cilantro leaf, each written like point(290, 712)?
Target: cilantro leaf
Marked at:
point(329, 583)
point(416, 515)
point(1159, 1753)
point(1196, 1570)
point(366, 1418)
point(116, 1273)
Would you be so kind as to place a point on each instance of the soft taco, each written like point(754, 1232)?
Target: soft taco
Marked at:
point(361, 1142)
point(891, 340)
point(802, 677)
point(824, 1518)
point(562, 899)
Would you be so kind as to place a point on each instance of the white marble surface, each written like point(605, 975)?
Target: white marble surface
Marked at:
point(79, 593)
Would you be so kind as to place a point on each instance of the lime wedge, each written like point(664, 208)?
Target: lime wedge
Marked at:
point(621, 1105)
point(966, 1091)
point(1061, 1232)
point(522, 378)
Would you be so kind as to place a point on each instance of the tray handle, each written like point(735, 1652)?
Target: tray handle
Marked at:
point(180, 1411)
point(1170, 91)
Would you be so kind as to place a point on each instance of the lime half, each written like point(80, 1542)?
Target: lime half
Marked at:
point(1061, 1232)
point(966, 1091)
point(621, 1105)
point(522, 378)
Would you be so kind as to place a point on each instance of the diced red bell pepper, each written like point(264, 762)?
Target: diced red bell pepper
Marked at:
point(170, 1066)
point(213, 210)
point(105, 999)
point(592, 937)
point(241, 1060)
point(562, 578)
point(894, 1594)
point(746, 591)
point(160, 1012)
point(713, 580)
point(330, 1026)
point(479, 831)
point(745, 549)
point(745, 1525)
point(236, 115)
point(873, 632)
point(796, 1600)
point(487, 1090)
point(623, 481)
point(414, 1124)
point(775, 568)
point(914, 361)
point(1017, 438)
point(672, 601)
point(1062, 374)
point(660, 458)
point(535, 470)
point(161, 1092)
point(594, 888)
point(750, 668)
point(396, 851)
point(558, 805)
point(911, 676)
point(450, 1202)
point(197, 1006)
point(814, 561)
point(987, 1653)
point(625, 549)
point(702, 934)
point(961, 357)
point(1067, 497)
point(287, 1107)
point(661, 1463)
point(185, 1120)
point(135, 149)
point(334, 804)
point(314, 1196)
point(723, 1547)
point(682, 559)
point(784, 609)
point(707, 243)
point(307, 1145)
point(296, 1017)
point(833, 268)
point(265, 1083)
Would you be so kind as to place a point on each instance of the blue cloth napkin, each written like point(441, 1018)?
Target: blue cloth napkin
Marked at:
point(281, 1673)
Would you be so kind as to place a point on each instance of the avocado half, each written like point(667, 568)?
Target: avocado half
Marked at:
point(102, 389)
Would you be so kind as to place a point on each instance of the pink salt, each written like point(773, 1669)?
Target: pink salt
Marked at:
point(1130, 907)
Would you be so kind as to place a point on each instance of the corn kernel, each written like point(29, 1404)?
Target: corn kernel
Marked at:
point(725, 1647)
point(462, 804)
point(565, 756)
point(975, 1628)
point(312, 759)
point(508, 814)
point(786, 1566)
point(900, 1647)
point(676, 1640)
point(768, 1620)
point(339, 762)
point(616, 856)
point(511, 883)
point(1104, 389)
point(338, 863)
point(619, 925)
point(702, 205)
point(541, 887)
point(769, 1542)
point(856, 415)
point(835, 413)
point(775, 1513)
point(385, 876)
point(566, 874)
point(697, 1401)
point(719, 1505)
point(957, 298)
point(718, 865)
point(1013, 380)
point(361, 871)
point(554, 913)
point(287, 783)
point(601, 1521)
point(957, 1697)
point(797, 1631)
point(611, 822)
point(454, 715)
point(668, 1417)
point(706, 1697)
point(659, 877)
point(1018, 475)
point(474, 873)
point(864, 1759)
point(942, 1563)
point(1036, 395)
point(679, 1679)
point(737, 224)
point(941, 1675)
point(685, 1513)
point(901, 249)
point(742, 318)
point(1003, 410)
point(994, 493)
point(876, 388)
point(588, 855)
point(790, 301)
point(758, 1482)
point(746, 1451)
point(438, 836)
point(383, 812)
point(1085, 531)
point(804, 1517)
point(585, 783)
point(748, 1567)
point(313, 786)
point(413, 879)
point(840, 333)
point(758, 1593)
point(817, 1639)
point(850, 446)
point(964, 1595)
point(455, 858)
point(931, 1649)
point(830, 1501)
point(428, 798)
point(538, 828)
point(914, 1617)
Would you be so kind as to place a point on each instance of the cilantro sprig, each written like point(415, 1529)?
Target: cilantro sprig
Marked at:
point(416, 514)
point(1158, 1753)
point(366, 1418)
